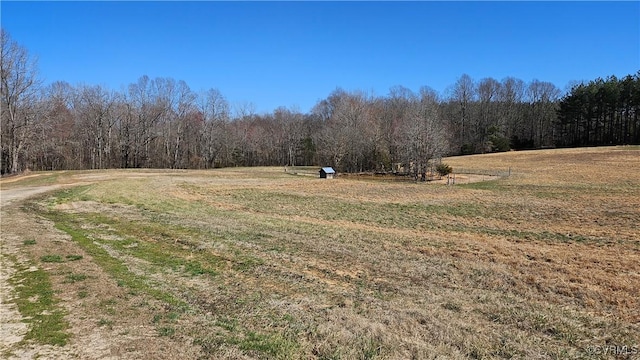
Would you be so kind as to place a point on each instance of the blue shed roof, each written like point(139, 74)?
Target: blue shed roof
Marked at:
point(328, 170)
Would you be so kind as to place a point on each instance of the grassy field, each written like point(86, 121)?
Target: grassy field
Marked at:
point(259, 263)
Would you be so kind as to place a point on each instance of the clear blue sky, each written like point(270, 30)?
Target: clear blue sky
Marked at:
point(295, 53)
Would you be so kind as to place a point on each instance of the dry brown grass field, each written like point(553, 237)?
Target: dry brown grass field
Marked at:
point(256, 263)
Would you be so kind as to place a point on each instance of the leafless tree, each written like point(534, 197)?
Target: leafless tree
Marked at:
point(161, 123)
point(424, 136)
point(95, 116)
point(147, 106)
point(290, 133)
point(54, 148)
point(510, 100)
point(463, 94)
point(215, 142)
point(244, 110)
point(487, 124)
point(543, 97)
point(19, 85)
point(180, 120)
point(346, 136)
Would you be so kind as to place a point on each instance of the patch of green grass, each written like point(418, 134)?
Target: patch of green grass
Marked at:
point(484, 185)
point(194, 268)
point(58, 258)
point(166, 331)
point(73, 278)
point(252, 343)
point(29, 242)
point(83, 294)
point(272, 345)
point(51, 258)
point(67, 195)
point(159, 245)
point(70, 224)
point(39, 308)
point(227, 323)
point(171, 316)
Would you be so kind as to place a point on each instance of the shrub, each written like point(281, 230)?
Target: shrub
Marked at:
point(499, 143)
point(444, 169)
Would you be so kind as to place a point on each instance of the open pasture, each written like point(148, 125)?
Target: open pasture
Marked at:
point(257, 263)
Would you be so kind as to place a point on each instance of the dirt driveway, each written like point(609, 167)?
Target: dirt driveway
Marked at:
point(91, 336)
point(12, 224)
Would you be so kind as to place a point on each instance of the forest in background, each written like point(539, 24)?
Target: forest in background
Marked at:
point(162, 123)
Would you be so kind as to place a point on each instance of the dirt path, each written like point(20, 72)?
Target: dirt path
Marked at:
point(105, 322)
point(8, 196)
point(13, 327)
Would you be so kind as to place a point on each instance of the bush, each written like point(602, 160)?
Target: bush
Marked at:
point(499, 143)
point(444, 169)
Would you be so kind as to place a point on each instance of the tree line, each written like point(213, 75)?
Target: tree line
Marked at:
point(601, 112)
point(162, 123)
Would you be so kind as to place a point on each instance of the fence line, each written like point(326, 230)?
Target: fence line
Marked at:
point(487, 172)
point(501, 173)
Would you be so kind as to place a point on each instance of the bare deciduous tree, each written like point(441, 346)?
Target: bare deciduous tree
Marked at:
point(488, 92)
point(543, 97)
point(94, 110)
point(54, 146)
point(424, 137)
point(510, 100)
point(147, 105)
point(345, 138)
point(19, 87)
point(463, 95)
point(216, 113)
point(161, 123)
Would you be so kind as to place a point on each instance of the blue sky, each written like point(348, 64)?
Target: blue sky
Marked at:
point(293, 54)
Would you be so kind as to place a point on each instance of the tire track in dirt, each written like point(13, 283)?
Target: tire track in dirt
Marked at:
point(130, 333)
point(13, 327)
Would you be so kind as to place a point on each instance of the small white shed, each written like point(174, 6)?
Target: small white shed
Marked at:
point(327, 173)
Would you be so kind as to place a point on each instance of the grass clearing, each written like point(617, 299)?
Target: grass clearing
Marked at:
point(261, 264)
